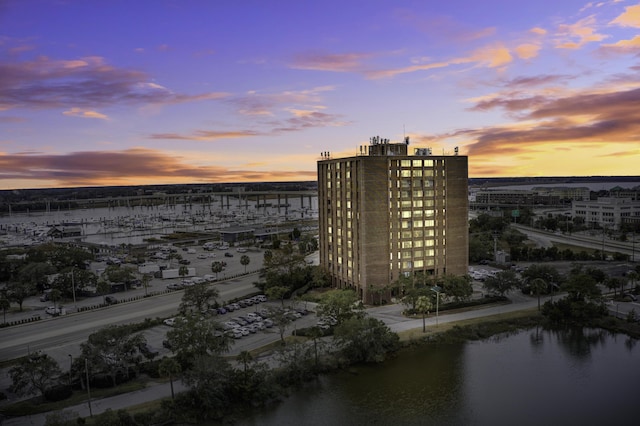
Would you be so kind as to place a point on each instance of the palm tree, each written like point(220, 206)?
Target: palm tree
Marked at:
point(538, 285)
point(424, 305)
point(4, 305)
point(216, 268)
point(244, 261)
point(169, 367)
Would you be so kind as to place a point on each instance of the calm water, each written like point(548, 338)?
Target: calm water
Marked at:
point(531, 378)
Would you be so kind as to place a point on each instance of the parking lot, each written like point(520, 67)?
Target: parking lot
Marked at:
point(252, 337)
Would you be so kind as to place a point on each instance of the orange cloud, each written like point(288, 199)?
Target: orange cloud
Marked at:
point(574, 36)
point(527, 50)
point(629, 18)
point(622, 46)
point(83, 113)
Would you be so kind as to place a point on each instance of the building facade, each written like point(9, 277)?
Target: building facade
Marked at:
point(607, 212)
point(384, 214)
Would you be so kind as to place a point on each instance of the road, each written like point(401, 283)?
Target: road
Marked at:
point(596, 242)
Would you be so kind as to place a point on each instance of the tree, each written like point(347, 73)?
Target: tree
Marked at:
point(365, 339)
point(216, 268)
point(112, 349)
point(208, 397)
point(34, 373)
point(103, 288)
point(281, 320)
point(120, 274)
point(170, 368)
point(424, 305)
point(198, 298)
point(244, 261)
point(547, 273)
point(612, 283)
point(277, 292)
point(192, 337)
point(17, 291)
point(503, 282)
point(457, 287)
point(4, 305)
point(183, 271)
point(341, 305)
point(146, 279)
point(538, 285)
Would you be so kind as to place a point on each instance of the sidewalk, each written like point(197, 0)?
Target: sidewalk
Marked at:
point(152, 392)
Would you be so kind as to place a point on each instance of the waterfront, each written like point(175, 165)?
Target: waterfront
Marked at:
point(587, 377)
point(133, 224)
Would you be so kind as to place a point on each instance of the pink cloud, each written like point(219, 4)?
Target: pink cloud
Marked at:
point(87, 82)
point(130, 166)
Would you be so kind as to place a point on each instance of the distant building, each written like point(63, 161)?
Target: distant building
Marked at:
point(65, 231)
point(384, 214)
point(607, 212)
point(579, 193)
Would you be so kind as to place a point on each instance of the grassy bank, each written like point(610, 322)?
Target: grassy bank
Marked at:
point(473, 329)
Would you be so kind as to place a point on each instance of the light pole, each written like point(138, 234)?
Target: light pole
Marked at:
point(86, 370)
point(70, 367)
point(73, 288)
point(437, 291)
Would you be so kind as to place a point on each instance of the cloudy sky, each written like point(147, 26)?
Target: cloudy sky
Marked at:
point(124, 92)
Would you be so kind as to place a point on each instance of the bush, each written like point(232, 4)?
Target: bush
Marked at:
point(58, 393)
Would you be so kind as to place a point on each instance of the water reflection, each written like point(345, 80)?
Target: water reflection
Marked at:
point(534, 377)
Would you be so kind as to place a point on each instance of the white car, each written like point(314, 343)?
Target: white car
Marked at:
point(52, 310)
point(170, 322)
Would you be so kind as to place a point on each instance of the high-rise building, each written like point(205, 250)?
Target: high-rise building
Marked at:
point(384, 213)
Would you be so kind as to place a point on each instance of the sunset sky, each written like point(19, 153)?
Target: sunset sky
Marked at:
point(193, 91)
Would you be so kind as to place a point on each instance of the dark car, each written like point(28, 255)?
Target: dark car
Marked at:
point(166, 344)
point(110, 300)
point(184, 261)
point(227, 254)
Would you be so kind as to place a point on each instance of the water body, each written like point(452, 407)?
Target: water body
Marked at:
point(593, 186)
point(534, 377)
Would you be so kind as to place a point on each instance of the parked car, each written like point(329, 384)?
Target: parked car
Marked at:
point(221, 311)
point(166, 344)
point(175, 286)
point(110, 300)
point(170, 322)
point(184, 262)
point(240, 321)
point(227, 254)
point(52, 310)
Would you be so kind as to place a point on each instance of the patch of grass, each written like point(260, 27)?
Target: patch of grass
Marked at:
point(475, 328)
point(36, 405)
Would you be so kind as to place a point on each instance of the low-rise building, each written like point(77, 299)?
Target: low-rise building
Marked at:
point(607, 212)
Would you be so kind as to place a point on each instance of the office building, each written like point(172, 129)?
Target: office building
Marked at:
point(384, 213)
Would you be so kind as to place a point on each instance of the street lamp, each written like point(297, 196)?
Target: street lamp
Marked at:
point(437, 290)
point(73, 288)
point(70, 367)
point(86, 370)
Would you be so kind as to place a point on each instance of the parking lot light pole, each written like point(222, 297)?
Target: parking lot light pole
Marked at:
point(437, 290)
point(86, 370)
point(73, 288)
point(70, 367)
